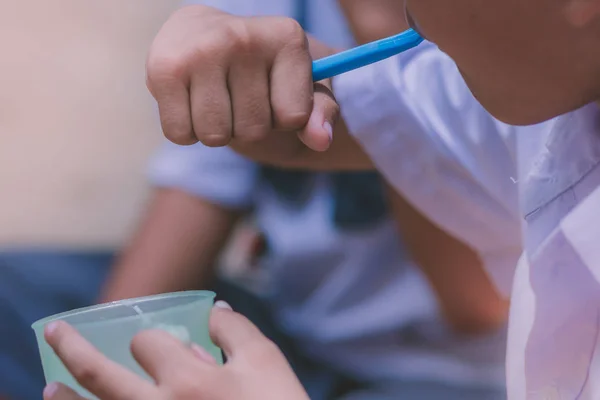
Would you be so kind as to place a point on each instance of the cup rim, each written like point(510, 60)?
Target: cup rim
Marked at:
point(203, 294)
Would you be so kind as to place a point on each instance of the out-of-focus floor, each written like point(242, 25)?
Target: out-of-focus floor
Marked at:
point(76, 123)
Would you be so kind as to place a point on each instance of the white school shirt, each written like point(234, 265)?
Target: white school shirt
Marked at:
point(431, 132)
point(349, 299)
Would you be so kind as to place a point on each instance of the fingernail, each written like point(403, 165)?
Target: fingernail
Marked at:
point(223, 305)
point(50, 390)
point(51, 327)
point(329, 129)
point(202, 354)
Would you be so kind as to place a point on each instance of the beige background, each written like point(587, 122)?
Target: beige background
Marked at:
point(76, 122)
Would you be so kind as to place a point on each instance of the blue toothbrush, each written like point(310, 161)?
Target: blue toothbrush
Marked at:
point(366, 54)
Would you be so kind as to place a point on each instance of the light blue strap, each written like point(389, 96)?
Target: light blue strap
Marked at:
point(302, 13)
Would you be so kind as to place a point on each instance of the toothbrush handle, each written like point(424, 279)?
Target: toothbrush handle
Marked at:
point(361, 56)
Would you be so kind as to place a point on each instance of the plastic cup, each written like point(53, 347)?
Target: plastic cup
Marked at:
point(111, 327)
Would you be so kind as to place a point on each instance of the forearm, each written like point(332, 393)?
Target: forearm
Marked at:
point(468, 300)
point(176, 248)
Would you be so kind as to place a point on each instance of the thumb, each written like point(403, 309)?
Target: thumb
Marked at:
point(57, 391)
point(318, 133)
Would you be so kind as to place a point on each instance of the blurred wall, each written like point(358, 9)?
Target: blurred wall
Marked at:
point(76, 123)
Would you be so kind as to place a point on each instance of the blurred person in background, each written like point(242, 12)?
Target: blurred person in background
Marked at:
point(346, 304)
point(73, 144)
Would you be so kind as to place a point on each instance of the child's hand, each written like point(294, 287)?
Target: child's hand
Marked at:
point(222, 79)
point(256, 369)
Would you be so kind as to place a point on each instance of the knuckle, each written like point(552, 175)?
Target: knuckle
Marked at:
point(237, 35)
point(212, 124)
point(292, 119)
point(165, 67)
point(213, 139)
point(181, 138)
point(292, 32)
point(86, 376)
point(177, 134)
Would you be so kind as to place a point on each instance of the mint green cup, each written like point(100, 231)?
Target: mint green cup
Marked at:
point(111, 327)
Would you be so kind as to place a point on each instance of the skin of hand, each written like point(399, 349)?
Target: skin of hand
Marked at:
point(227, 80)
point(175, 247)
point(255, 370)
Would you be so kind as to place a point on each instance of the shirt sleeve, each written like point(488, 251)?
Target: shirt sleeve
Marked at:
point(416, 118)
point(218, 175)
point(230, 6)
point(248, 7)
